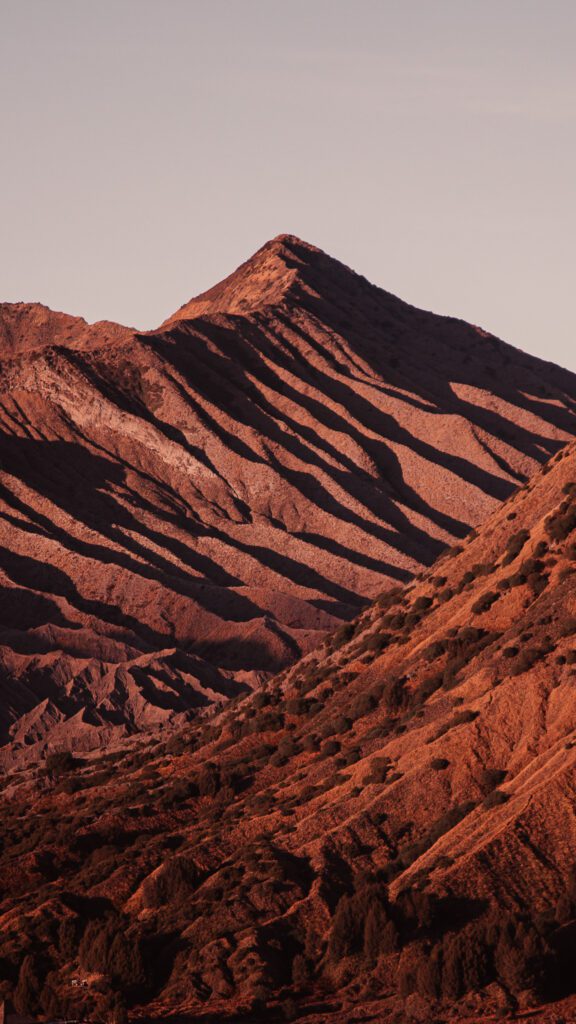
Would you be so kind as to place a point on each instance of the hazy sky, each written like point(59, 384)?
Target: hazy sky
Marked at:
point(149, 146)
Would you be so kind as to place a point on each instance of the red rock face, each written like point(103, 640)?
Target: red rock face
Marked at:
point(184, 512)
point(384, 831)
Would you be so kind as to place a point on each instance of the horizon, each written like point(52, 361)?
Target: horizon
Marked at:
point(288, 566)
point(153, 148)
point(268, 241)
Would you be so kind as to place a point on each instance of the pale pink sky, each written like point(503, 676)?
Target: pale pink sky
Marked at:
point(149, 146)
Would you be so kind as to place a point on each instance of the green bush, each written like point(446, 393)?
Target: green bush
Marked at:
point(363, 705)
point(462, 717)
point(561, 523)
point(60, 762)
point(484, 602)
point(439, 764)
point(343, 635)
point(495, 798)
point(527, 658)
point(379, 771)
point(514, 546)
point(329, 748)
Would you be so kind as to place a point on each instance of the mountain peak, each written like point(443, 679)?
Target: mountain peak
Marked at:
point(292, 242)
point(263, 280)
point(294, 443)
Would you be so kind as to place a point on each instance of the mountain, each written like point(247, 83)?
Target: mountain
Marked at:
point(384, 831)
point(184, 512)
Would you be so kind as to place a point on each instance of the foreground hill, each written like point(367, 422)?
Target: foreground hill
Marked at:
point(386, 828)
point(184, 512)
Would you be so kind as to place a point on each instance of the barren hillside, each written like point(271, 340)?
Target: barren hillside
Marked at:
point(384, 831)
point(185, 512)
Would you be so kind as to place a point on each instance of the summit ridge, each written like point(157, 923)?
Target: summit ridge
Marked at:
point(186, 511)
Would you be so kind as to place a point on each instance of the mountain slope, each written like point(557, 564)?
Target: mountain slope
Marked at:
point(387, 827)
point(184, 512)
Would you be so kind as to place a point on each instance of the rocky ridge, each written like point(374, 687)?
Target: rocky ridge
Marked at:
point(186, 511)
point(385, 829)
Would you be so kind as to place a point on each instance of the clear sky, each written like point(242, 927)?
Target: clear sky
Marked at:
point(149, 146)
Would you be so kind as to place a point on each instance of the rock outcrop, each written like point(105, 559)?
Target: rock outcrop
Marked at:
point(384, 831)
point(186, 511)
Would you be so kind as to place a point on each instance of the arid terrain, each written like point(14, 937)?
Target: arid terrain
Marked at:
point(384, 831)
point(185, 512)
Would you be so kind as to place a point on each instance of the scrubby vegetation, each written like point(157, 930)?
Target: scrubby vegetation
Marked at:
point(310, 838)
point(515, 545)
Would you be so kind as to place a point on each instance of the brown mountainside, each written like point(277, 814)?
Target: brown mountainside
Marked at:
point(186, 511)
point(385, 828)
